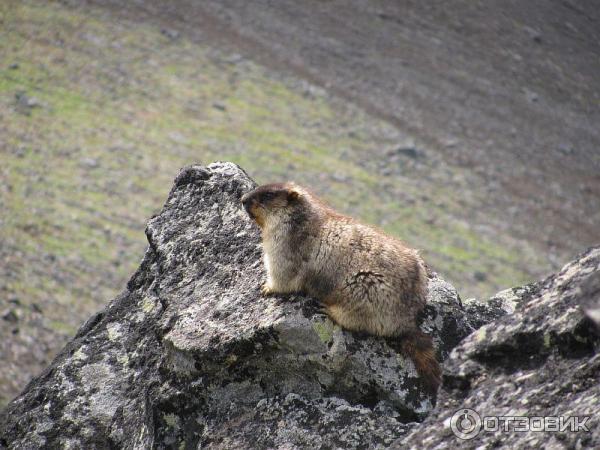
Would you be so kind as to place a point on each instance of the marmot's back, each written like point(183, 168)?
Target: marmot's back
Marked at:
point(379, 284)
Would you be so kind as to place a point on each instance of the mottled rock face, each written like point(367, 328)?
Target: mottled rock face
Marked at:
point(542, 360)
point(190, 355)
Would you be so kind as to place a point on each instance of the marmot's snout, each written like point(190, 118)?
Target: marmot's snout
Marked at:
point(254, 206)
point(247, 202)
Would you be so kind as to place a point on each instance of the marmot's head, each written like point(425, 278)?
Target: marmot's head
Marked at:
point(274, 203)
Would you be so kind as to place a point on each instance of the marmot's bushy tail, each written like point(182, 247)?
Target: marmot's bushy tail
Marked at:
point(419, 347)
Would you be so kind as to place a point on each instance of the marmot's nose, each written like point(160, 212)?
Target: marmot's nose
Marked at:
point(246, 202)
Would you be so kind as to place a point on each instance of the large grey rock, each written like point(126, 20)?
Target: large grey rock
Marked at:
point(190, 355)
point(540, 361)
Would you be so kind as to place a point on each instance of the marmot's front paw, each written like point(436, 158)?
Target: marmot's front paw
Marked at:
point(322, 309)
point(266, 290)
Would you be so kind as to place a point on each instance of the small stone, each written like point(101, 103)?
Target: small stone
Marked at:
point(534, 34)
point(531, 96)
point(235, 58)
point(480, 276)
point(90, 163)
point(10, 316)
point(409, 152)
point(566, 149)
point(339, 177)
point(170, 33)
point(25, 101)
point(450, 143)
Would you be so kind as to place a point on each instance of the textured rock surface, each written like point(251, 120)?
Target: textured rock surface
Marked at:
point(190, 355)
point(540, 361)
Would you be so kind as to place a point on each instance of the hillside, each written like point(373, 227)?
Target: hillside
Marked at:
point(101, 105)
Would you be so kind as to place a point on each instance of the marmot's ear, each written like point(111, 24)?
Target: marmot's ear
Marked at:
point(293, 195)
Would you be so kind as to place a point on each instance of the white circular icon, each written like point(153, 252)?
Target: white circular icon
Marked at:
point(465, 423)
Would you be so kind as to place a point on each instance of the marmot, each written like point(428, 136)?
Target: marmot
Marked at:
point(366, 280)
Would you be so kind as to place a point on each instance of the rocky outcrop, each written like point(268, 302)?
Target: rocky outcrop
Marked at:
point(540, 361)
point(191, 355)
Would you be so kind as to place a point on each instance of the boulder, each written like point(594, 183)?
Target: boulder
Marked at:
point(541, 361)
point(190, 355)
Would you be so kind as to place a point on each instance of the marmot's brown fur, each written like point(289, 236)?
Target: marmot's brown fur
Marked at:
point(366, 280)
